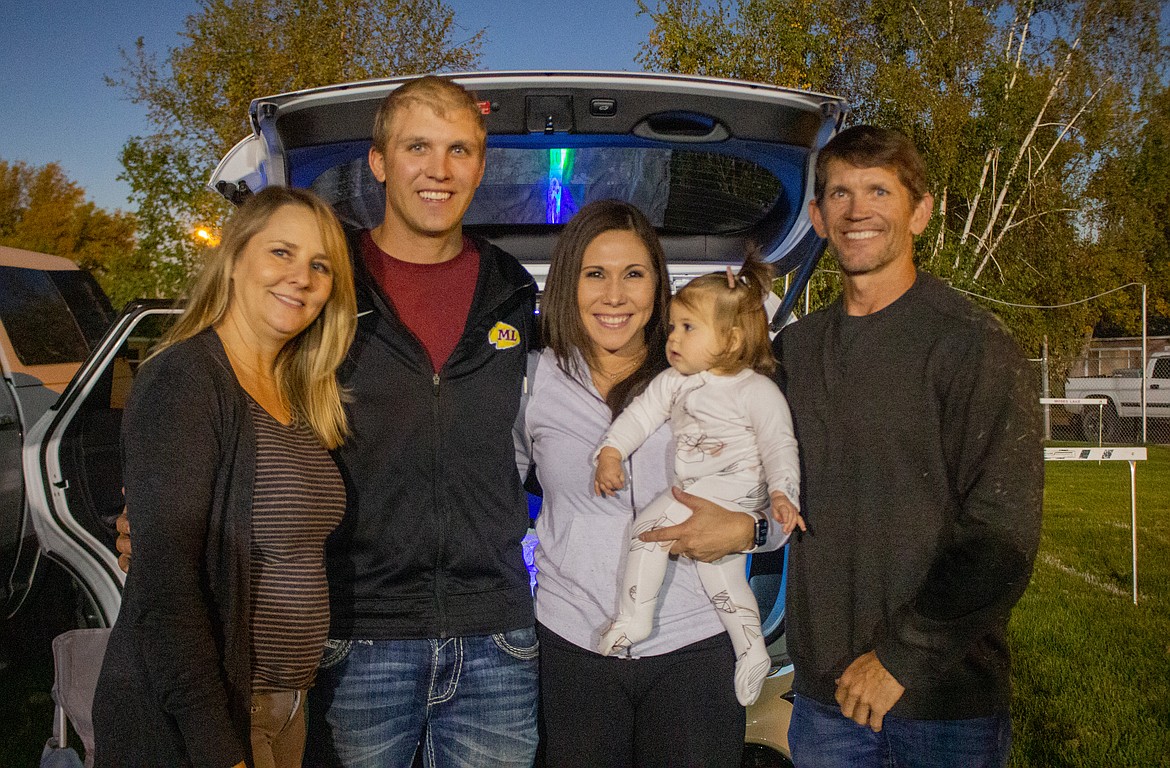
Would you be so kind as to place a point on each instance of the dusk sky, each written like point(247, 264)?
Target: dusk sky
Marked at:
point(57, 107)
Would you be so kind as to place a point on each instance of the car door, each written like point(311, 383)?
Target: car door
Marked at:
point(718, 165)
point(73, 464)
point(51, 315)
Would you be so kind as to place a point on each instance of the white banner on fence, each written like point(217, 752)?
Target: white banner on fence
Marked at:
point(1073, 401)
point(1125, 453)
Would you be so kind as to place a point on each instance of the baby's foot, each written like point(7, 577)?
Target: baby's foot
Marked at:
point(750, 671)
point(613, 641)
point(623, 632)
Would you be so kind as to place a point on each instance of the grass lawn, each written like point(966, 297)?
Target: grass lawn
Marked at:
point(1092, 670)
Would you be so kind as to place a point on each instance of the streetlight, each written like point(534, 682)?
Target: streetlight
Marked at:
point(209, 238)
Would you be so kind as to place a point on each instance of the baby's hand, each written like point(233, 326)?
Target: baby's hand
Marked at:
point(785, 512)
point(609, 477)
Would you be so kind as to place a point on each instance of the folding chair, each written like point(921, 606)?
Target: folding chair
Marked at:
point(77, 661)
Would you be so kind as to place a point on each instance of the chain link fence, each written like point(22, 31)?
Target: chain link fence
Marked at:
point(1111, 374)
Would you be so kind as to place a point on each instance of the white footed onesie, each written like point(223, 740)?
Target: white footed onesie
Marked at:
point(734, 444)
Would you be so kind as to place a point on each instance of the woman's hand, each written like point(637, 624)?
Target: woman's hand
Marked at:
point(711, 532)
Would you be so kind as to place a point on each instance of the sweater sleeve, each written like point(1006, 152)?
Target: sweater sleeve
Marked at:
point(646, 413)
point(994, 454)
point(171, 452)
point(770, 417)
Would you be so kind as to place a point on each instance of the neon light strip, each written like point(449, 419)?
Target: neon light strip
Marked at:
point(558, 161)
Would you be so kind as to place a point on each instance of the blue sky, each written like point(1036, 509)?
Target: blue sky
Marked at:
point(57, 107)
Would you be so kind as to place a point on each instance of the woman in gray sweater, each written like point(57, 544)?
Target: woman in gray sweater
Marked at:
point(670, 699)
point(231, 492)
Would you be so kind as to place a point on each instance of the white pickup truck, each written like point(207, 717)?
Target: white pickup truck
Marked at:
point(1120, 416)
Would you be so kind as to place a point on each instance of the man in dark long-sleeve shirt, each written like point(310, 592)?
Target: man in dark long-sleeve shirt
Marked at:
point(922, 472)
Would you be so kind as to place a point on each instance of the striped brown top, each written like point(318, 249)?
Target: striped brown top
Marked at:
point(297, 500)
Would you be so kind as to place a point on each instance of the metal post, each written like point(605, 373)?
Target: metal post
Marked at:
point(1133, 521)
point(1044, 389)
point(1100, 425)
point(1145, 383)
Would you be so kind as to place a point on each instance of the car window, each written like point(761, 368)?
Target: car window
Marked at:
point(51, 316)
point(683, 191)
point(1162, 368)
point(89, 304)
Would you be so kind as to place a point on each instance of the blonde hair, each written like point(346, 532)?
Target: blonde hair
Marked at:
point(735, 308)
point(438, 94)
point(306, 366)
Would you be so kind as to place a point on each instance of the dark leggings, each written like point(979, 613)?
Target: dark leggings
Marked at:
point(676, 710)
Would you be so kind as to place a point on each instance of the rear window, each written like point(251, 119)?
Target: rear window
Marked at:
point(682, 191)
point(52, 316)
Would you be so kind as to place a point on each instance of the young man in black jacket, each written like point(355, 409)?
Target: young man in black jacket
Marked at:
point(432, 642)
point(922, 470)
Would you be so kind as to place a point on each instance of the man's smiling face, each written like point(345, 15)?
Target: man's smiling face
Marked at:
point(869, 218)
point(431, 166)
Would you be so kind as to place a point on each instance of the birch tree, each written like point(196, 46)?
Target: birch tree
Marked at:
point(1016, 105)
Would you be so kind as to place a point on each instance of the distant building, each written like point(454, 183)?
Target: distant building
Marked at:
point(1102, 357)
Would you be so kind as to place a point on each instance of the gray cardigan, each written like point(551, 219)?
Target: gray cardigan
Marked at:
point(175, 684)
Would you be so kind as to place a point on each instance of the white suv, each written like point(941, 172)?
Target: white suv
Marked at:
point(716, 165)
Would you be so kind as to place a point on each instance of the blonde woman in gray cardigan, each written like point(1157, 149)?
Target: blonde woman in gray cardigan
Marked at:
point(231, 492)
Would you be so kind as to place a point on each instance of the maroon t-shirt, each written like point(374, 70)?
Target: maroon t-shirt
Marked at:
point(432, 300)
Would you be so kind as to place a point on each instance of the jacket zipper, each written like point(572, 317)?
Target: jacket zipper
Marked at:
point(440, 573)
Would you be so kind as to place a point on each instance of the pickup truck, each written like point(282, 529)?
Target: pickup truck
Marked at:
point(51, 316)
point(1120, 417)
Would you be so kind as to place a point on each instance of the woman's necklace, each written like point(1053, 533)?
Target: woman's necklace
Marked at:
point(262, 387)
point(603, 379)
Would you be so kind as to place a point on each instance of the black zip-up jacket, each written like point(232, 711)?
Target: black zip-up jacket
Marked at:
point(430, 544)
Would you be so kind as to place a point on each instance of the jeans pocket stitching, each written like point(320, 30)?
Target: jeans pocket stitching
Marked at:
point(526, 653)
point(334, 652)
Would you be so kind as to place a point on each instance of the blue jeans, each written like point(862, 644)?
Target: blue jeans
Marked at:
point(462, 702)
point(821, 737)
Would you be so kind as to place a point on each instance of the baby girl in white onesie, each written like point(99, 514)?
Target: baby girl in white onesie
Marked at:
point(734, 446)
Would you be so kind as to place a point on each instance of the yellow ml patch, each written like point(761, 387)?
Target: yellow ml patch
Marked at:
point(503, 336)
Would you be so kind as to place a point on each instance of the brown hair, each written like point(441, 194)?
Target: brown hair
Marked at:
point(867, 146)
point(438, 93)
point(306, 366)
point(735, 307)
point(560, 315)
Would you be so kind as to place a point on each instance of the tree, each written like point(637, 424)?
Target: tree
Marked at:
point(233, 51)
point(793, 43)
point(42, 210)
point(1017, 105)
point(1132, 189)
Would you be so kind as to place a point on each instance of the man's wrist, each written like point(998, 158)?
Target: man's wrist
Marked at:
point(752, 540)
point(760, 537)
